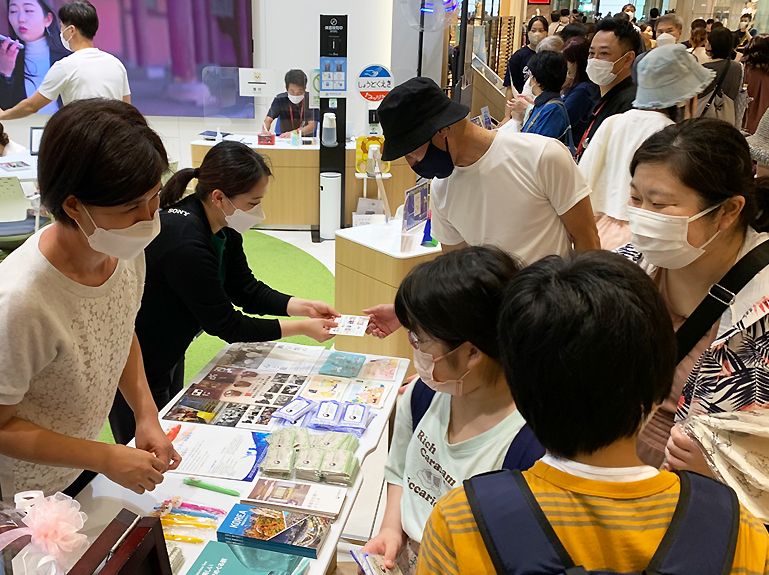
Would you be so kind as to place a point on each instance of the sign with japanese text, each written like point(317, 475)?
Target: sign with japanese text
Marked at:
point(374, 82)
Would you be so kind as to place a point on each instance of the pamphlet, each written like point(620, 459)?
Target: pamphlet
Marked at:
point(486, 117)
point(238, 385)
point(324, 500)
point(224, 559)
point(374, 564)
point(343, 364)
point(274, 530)
point(291, 357)
point(354, 325)
point(325, 387)
point(221, 413)
point(384, 369)
point(215, 452)
point(416, 206)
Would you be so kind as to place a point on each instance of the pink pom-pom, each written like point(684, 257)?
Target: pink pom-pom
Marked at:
point(55, 523)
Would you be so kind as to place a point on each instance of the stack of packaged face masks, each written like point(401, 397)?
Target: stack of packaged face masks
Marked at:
point(326, 457)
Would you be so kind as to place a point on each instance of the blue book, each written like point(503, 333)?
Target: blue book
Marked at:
point(273, 530)
point(225, 559)
point(343, 364)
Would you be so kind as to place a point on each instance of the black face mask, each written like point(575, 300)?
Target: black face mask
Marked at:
point(436, 163)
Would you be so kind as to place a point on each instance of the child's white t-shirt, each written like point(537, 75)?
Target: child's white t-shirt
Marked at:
point(428, 467)
point(62, 352)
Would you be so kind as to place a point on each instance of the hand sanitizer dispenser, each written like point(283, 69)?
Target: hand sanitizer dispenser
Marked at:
point(328, 135)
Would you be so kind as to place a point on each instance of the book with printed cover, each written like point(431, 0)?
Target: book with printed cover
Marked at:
point(274, 530)
point(323, 500)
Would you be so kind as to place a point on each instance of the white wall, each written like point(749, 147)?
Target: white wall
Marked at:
point(287, 35)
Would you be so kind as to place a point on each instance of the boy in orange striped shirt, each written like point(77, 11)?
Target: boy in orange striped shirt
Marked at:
point(589, 352)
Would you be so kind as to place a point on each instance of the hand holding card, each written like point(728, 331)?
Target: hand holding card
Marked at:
point(354, 325)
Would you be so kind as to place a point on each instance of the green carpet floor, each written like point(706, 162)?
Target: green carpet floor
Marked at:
point(281, 266)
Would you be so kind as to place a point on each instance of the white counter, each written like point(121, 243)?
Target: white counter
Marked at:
point(280, 143)
point(385, 239)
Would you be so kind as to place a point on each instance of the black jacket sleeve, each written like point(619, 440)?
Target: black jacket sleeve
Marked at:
point(193, 273)
point(243, 288)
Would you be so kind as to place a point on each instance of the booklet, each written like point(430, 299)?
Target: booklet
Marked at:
point(249, 355)
point(224, 559)
point(252, 387)
point(343, 364)
point(324, 500)
point(274, 530)
point(221, 413)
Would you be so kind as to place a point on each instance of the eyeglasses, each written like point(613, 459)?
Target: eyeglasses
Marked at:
point(415, 341)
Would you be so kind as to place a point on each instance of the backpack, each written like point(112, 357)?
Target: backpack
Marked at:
point(524, 450)
point(700, 540)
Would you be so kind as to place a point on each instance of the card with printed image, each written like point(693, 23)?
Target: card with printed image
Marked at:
point(353, 325)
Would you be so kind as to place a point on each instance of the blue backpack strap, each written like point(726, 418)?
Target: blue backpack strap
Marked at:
point(421, 398)
point(518, 536)
point(702, 536)
point(525, 450)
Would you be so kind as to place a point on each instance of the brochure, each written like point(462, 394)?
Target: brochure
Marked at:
point(343, 364)
point(374, 564)
point(325, 387)
point(221, 413)
point(239, 385)
point(313, 498)
point(222, 453)
point(293, 358)
point(274, 530)
point(224, 559)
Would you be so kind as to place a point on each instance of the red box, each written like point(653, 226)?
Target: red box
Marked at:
point(267, 139)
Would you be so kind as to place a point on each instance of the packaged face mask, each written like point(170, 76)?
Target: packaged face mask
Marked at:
point(278, 462)
point(355, 417)
point(283, 438)
point(339, 467)
point(308, 463)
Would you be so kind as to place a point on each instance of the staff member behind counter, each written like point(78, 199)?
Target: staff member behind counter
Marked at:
point(197, 273)
point(292, 107)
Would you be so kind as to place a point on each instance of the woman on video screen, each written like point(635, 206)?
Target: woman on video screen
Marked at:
point(34, 24)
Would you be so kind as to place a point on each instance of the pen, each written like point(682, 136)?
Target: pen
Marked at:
point(197, 483)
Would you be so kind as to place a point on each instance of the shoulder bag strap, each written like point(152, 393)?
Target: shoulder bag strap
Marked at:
point(720, 296)
point(421, 398)
point(717, 87)
point(524, 451)
point(702, 536)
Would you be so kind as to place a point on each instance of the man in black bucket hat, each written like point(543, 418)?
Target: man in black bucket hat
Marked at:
point(521, 192)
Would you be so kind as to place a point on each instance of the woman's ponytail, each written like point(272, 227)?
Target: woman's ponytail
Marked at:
point(174, 188)
point(231, 167)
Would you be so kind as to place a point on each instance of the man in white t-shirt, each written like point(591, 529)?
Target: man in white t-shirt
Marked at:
point(86, 73)
point(520, 192)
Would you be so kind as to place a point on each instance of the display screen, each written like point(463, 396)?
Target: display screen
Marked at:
point(164, 45)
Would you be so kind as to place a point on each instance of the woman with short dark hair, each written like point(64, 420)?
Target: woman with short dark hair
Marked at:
point(68, 302)
point(580, 94)
point(719, 47)
point(517, 67)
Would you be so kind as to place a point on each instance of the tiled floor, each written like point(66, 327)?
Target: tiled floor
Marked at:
point(366, 517)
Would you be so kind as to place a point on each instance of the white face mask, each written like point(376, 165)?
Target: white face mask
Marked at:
point(663, 239)
point(600, 71)
point(126, 243)
point(64, 42)
point(535, 38)
point(296, 99)
point(424, 364)
point(241, 221)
